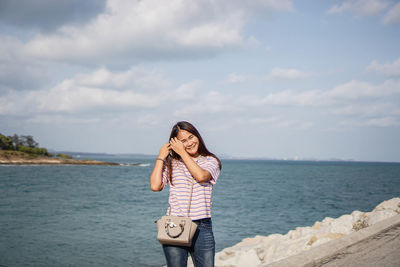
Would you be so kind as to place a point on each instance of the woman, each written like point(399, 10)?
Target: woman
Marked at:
point(181, 162)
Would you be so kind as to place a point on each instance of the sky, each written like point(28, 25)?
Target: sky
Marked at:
point(279, 79)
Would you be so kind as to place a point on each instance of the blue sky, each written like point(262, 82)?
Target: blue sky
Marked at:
point(262, 78)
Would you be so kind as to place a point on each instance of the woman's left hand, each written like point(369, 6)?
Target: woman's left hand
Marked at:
point(177, 146)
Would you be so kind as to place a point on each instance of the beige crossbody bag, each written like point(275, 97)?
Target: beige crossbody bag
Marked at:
point(177, 230)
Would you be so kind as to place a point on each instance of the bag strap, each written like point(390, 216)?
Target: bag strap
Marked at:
point(190, 198)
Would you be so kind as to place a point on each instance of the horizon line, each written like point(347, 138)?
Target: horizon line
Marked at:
point(229, 157)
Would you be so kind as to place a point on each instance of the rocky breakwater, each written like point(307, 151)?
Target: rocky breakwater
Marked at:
point(262, 250)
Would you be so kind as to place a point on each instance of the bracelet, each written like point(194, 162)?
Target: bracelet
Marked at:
point(163, 160)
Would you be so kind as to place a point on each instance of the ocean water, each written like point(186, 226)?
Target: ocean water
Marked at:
point(104, 215)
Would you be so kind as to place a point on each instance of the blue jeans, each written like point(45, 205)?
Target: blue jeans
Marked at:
point(202, 249)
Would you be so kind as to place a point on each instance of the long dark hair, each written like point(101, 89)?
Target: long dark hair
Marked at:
point(202, 150)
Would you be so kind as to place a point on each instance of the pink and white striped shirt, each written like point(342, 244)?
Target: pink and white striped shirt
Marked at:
point(179, 191)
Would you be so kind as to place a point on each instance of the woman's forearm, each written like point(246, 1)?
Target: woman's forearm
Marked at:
point(195, 170)
point(156, 183)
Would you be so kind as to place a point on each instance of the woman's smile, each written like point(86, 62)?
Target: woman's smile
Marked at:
point(192, 148)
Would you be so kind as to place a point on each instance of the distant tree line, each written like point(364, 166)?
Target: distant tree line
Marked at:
point(22, 143)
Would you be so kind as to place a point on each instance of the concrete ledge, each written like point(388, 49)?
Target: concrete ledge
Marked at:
point(317, 254)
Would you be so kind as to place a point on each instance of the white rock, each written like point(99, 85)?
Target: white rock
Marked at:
point(225, 254)
point(391, 204)
point(241, 258)
point(295, 248)
point(327, 220)
point(293, 234)
point(307, 231)
point(379, 215)
point(322, 237)
point(250, 258)
point(317, 225)
point(343, 225)
point(322, 240)
point(267, 254)
point(357, 215)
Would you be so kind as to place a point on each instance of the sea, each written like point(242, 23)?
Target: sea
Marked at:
point(72, 215)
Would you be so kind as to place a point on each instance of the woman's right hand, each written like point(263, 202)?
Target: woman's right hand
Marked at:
point(164, 151)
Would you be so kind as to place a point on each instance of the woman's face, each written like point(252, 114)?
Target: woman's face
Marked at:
point(190, 142)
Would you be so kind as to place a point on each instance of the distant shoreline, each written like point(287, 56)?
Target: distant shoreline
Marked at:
point(61, 162)
point(18, 158)
point(58, 162)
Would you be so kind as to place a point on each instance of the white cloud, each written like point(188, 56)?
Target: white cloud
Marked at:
point(58, 119)
point(263, 120)
point(235, 78)
point(148, 120)
point(70, 97)
point(301, 125)
point(356, 90)
point(253, 42)
point(280, 122)
point(102, 89)
point(350, 91)
point(390, 69)
point(271, 4)
point(132, 30)
point(274, 74)
point(383, 122)
point(360, 8)
point(19, 71)
point(104, 78)
point(370, 104)
point(135, 77)
point(393, 15)
point(375, 122)
point(291, 98)
point(187, 91)
point(287, 74)
point(211, 103)
point(354, 98)
point(367, 109)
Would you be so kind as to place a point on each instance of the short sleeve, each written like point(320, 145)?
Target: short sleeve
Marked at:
point(212, 167)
